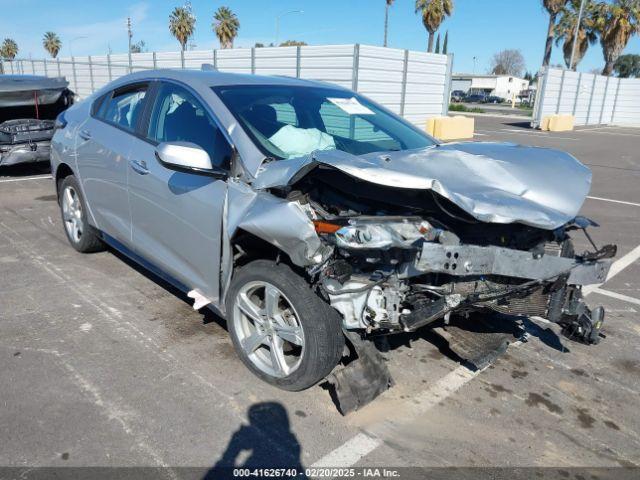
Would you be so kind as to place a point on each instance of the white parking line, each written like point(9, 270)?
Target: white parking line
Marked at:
point(618, 296)
point(614, 201)
point(40, 177)
point(530, 133)
point(362, 444)
point(350, 452)
point(625, 134)
point(617, 266)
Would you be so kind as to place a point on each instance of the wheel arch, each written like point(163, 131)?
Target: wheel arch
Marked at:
point(62, 171)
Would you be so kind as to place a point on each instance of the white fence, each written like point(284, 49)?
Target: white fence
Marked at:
point(592, 99)
point(410, 83)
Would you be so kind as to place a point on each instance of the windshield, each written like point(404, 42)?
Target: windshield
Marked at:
point(293, 121)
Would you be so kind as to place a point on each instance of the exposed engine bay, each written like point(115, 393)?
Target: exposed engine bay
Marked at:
point(28, 107)
point(402, 259)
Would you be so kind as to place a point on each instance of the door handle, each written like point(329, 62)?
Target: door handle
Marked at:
point(139, 166)
point(85, 134)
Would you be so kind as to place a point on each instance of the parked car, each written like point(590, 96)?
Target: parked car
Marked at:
point(458, 96)
point(309, 216)
point(28, 106)
point(475, 98)
point(493, 99)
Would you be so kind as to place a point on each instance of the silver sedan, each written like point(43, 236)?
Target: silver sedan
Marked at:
point(313, 219)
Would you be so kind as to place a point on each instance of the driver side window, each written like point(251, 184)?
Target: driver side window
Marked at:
point(179, 117)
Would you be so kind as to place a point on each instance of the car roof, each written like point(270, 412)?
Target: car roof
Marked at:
point(215, 78)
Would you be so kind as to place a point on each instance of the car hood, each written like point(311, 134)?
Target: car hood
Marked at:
point(493, 182)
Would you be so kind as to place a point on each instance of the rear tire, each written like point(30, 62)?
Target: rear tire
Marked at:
point(82, 236)
point(312, 341)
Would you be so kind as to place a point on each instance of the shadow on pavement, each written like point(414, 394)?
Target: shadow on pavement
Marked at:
point(266, 442)
point(25, 169)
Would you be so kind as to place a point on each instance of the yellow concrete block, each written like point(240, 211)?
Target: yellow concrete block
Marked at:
point(453, 128)
point(431, 125)
point(561, 123)
point(544, 126)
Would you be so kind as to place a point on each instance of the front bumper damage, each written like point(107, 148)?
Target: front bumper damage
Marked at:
point(456, 279)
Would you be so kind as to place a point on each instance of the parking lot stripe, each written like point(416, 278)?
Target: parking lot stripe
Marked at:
point(362, 444)
point(39, 177)
point(614, 201)
point(350, 452)
point(618, 296)
point(617, 266)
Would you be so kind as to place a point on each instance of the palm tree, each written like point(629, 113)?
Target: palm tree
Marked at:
point(616, 22)
point(52, 44)
point(433, 13)
point(554, 7)
point(225, 26)
point(566, 28)
point(386, 20)
point(182, 24)
point(9, 49)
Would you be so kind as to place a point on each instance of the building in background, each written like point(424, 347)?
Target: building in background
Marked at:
point(503, 86)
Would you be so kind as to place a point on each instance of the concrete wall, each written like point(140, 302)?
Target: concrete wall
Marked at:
point(591, 99)
point(410, 83)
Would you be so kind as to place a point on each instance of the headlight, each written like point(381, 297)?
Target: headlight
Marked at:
point(383, 235)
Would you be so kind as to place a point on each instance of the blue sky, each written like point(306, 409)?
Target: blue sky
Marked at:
point(478, 28)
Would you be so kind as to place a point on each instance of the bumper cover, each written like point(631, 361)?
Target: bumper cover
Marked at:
point(25, 153)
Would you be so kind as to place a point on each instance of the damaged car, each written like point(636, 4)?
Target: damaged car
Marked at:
point(314, 220)
point(29, 105)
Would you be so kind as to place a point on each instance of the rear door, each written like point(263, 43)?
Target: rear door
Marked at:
point(103, 145)
point(177, 216)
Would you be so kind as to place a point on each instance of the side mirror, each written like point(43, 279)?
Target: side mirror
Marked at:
point(186, 157)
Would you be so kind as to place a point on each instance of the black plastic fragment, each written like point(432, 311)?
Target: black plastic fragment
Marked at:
point(362, 380)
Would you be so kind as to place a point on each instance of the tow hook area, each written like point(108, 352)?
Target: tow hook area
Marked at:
point(362, 379)
point(586, 326)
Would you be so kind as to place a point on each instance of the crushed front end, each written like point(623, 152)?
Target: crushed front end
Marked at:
point(395, 268)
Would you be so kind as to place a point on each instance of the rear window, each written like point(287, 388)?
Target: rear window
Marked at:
point(123, 107)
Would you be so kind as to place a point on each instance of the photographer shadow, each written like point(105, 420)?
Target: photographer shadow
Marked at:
point(267, 440)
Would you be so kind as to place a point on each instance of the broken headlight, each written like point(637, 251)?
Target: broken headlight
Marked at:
point(383, 235)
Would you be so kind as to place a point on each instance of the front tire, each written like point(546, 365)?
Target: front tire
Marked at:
point(82, 236)
point(281, 330)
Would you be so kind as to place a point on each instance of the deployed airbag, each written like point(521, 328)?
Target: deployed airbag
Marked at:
point(297, 142)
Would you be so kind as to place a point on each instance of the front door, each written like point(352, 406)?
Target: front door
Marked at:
point(177, 216)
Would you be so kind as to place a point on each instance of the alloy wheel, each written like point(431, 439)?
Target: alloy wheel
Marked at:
point(72, 214)
point(268, 329)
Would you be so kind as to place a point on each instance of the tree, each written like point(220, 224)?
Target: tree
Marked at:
point(566, 29)
point(628, 66)
point(553, 7)
point(438, 44)
point(445, 46)
point(182, 24)
point(258, 45)
point(225, 26)
point(386, 20)
point(508, 62)
point(9, 49)
point(293, 43)
point(52, 44)
point(616, 23)
point(139, 47)
point(433, 14)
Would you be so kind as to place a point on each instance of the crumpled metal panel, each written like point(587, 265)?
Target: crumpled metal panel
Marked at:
point(280, 222)
point(493, 182)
